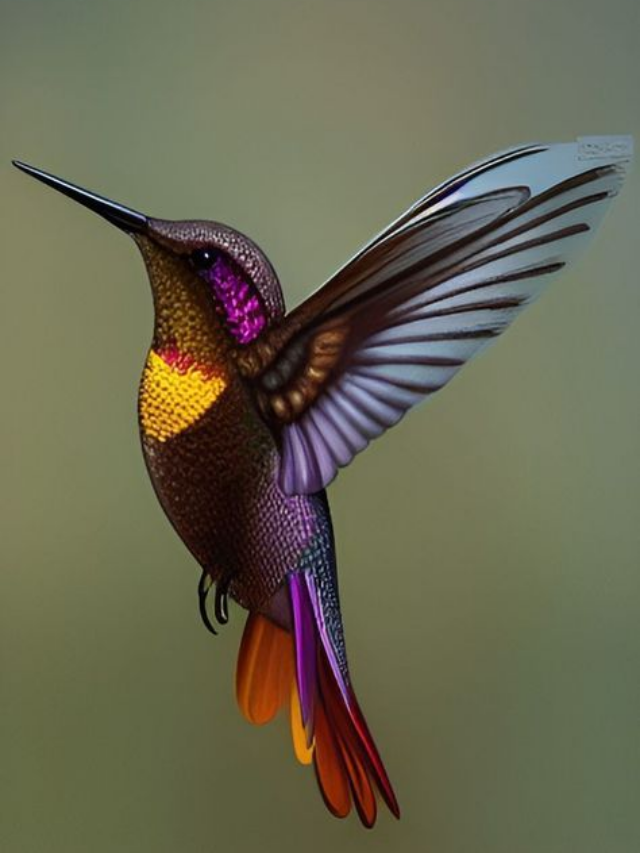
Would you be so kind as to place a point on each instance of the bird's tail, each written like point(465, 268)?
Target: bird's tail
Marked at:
point(297, 669)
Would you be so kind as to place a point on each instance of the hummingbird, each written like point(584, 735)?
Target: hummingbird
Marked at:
point(247, 412)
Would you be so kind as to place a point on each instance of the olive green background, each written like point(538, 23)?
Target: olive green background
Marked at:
point(489, 545)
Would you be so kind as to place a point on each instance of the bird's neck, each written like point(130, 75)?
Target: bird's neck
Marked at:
point(189, 364)
point(185, 314)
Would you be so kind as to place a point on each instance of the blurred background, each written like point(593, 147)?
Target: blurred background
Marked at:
point(489, 546)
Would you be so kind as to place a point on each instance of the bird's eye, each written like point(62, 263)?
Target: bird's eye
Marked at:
point(202, 259)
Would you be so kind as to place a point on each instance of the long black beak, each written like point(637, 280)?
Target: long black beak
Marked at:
point(122, 217)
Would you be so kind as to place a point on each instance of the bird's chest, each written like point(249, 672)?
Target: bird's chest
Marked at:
point(213, 463)
point(207, 451)
point(175, 393)
point(199, 429)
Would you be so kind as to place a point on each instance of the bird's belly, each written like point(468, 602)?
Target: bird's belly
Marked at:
point(217, 482)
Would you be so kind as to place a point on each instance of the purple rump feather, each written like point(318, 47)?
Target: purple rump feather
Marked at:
point(305, 646)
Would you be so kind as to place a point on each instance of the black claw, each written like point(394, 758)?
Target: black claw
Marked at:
point(221, 607)
point(204, 585)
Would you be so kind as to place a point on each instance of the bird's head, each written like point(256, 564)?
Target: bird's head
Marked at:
point(212, 286)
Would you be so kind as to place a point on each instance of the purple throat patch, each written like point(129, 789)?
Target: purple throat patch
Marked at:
point(237, 299)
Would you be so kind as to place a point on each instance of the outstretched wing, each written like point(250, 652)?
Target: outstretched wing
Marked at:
point(427, 294)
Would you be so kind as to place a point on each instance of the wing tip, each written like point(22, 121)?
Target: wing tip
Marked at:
point(615, 150)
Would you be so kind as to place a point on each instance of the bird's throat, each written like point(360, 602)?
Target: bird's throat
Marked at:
point(175, 392)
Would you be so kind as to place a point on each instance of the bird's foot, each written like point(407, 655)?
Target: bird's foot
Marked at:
point(204, 585)
point(221, 604)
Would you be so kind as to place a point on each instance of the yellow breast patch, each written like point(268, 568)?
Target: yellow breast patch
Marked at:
point(174, 394)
